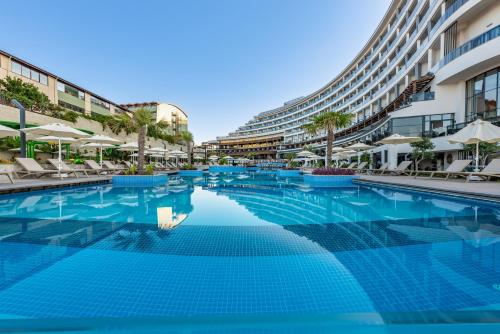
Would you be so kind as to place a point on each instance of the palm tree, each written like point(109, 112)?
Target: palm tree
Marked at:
point(187, 138)
point(329, 121)
point(141, 122)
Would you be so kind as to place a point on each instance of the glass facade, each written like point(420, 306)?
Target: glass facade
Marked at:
point(99, 102)
point(70, 90)
point(482, 96)
point(429, 125)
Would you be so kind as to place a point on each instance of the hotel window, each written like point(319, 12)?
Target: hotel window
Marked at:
point(99, 102)
point(62, 87)
point(29, 73)
point(437, 125)
point(71, 107)
point(482, 96)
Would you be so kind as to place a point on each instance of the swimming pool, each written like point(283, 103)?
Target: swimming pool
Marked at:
point(245, 244)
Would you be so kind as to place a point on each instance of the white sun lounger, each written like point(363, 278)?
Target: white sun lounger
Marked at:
point(32, 168)
point(66, 169)
point(400, 169)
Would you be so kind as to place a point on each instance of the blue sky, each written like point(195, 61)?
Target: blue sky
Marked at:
point(222, 61)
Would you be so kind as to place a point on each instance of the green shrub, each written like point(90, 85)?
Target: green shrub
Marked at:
point(149, 169)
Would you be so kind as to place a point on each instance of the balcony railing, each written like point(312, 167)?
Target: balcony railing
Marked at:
point(422, 96)
point(470, 45)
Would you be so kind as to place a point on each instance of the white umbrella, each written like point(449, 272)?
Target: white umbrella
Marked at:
point(399, 139)
point(213, 157)
point(358, 147)
point(228, 157)
point(158, 149)
point(132, 146)
point(5, 131)
point(476, 132)
point(198, 157)
point(58, 130)
point(100, 146)
point(337, 149)
point(302, 154)
point(101, 139)
point(57, 139)
point(395, 140)
point(177, 154)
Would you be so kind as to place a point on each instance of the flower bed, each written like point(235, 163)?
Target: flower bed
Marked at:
point(332, 171)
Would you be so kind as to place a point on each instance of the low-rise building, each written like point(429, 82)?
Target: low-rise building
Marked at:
point(166, 112)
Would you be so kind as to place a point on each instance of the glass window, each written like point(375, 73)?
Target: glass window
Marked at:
point(483, 103)
point(35, 76)
point(25, 71)
point(43, 79)
point(16, 67)
point(491, 81)
point(60, 86)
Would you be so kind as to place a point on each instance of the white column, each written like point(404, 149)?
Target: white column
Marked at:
point(392, 156)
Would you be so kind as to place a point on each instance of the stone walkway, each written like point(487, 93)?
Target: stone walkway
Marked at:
point(489, 190)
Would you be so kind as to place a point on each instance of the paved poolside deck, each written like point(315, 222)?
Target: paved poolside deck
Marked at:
point(46, 183)
point(480, 189)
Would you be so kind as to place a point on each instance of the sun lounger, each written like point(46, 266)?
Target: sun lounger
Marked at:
point(109, 165)
point(455, 167)
point(127, 164)
point(96, 167)
point(361, 167)
point(32, 168)
point(490, 171)
point(66, 169)
point(381, 169)
point(8, 174)
point(351, 166)
point(400, 169)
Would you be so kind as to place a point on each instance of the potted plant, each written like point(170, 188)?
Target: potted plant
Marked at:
point(330, 177)
point(189, 170)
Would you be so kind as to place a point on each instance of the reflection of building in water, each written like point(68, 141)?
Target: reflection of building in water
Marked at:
point(167, 219)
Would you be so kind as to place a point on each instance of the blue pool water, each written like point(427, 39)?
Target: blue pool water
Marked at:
point(244, 244)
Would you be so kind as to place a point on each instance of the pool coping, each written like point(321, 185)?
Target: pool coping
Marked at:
point(448, 192)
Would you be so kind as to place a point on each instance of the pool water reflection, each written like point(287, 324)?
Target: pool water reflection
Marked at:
point(235, 244)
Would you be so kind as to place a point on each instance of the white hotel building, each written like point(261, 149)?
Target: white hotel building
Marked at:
point(430, 67)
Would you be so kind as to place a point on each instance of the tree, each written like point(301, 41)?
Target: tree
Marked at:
point(329, 122)
point(141, 122)
point(422, 150)
point(187, 138)
point(485, 149)
point(289, 157)
point(26, 93)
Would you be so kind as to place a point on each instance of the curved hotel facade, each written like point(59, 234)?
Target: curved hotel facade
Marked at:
point(430, 67)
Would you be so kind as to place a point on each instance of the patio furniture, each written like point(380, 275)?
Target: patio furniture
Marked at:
point(32, 168)
point(455, 167)
point(351, 165)
point(109, 165)
point(361, 167)
point(381, 169)
point(95, 167)
point(401, 169)
point(67, 169)
point(488, 172)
